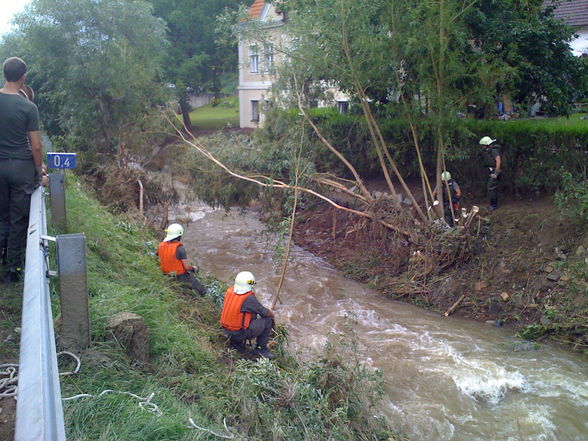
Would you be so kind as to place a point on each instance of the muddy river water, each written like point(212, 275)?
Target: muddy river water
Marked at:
point(445, 378)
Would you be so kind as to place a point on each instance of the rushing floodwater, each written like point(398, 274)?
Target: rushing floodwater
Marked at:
point(445, 378)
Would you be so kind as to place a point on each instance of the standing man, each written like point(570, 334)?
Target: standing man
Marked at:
point(173, 259)
point(244, 318)
point(492, 162)
point(21, 167)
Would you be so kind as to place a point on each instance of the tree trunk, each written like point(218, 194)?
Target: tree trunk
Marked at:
point(185, 108)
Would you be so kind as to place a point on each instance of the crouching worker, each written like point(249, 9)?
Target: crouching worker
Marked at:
point(244, 318)
point(454, 195)
point(173, 259)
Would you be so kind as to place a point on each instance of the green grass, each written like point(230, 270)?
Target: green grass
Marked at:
point(216, 116)
point(191, 371)
point(573, 120)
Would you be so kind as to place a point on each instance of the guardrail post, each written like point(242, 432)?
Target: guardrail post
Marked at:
point(57, 190)
point(73, 283)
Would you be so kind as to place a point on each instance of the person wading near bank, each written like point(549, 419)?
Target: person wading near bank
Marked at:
point(21, 167)
point(492, 162)
point(244, 318)
point(173, 259)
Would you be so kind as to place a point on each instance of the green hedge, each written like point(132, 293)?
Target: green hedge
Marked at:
point(534, 151)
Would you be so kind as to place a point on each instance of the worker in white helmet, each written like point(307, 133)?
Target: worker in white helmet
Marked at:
point(493, 163)
point(173, 259)
point(244, 318)
point(452, 198)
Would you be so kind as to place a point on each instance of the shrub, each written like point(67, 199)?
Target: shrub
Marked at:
point(533, 150)
point(572, 198)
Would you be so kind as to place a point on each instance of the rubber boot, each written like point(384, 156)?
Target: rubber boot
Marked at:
point(262, 351)
point(238, 346)
point(493, 205)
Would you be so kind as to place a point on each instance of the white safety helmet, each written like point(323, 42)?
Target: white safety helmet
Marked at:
point(173, 231)
point(445, 176)
point(244, 282)
point(486, 140)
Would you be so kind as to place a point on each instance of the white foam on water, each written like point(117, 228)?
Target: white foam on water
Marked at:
point(489, 384)
point(537, 424)
point(555, 385)
point(479, 379)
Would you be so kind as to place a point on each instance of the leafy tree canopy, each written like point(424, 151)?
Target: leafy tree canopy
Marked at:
point(196, 60)
point(525, 37)
point(95, 65)
point(474, 51)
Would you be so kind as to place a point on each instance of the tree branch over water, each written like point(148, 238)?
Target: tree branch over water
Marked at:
point(269, 182)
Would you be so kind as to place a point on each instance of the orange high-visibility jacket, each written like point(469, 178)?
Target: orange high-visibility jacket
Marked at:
point(232, 318)
point(168, 262)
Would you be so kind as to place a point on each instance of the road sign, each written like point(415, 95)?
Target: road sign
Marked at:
point(61, 160)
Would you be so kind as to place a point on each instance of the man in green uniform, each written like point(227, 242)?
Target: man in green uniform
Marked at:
point(492, 162)
point(21, 166)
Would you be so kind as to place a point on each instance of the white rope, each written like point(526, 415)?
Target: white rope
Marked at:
point(8, 388)
point(8, 380)
point(231, 436)
point(9, 377)
point(78, 364)
point(144, 402)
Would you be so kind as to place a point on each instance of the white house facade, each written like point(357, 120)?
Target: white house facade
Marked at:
point(256, 60)
point(575, 14)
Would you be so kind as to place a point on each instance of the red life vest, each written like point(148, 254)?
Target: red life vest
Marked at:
point(168, 262)
point(232, 318)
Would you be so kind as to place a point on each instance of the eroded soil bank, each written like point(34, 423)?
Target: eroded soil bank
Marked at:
point(529, 271)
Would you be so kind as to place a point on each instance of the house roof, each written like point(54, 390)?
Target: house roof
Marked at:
point(256, 8)
point(574, 12)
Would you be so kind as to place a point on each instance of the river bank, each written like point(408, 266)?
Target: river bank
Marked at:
point(530, 271)
point(190, 374)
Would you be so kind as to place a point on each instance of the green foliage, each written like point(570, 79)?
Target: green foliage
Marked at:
point(533, 50)
point(210, 182)
point(572, 197)
point(196, 61)
point(325, 402)
point(447, 51)
point(95, 66)
point(533, 150)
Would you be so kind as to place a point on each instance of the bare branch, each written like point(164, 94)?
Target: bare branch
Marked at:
point(318, 133)
point(268, 182)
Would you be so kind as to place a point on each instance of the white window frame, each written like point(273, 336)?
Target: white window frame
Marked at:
point(268, 56)
point(343, 107)
point(255, 110)
point(253, 58)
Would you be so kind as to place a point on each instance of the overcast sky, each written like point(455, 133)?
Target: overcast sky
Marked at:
point(7, 11)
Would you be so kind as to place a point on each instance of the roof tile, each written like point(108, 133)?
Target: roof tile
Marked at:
point(256, 8)
point(573, 12)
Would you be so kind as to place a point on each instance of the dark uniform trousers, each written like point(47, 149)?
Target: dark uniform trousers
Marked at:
point(190, 279)
point(17, 183)
point(492, 187)
point(260, 327)
point(490, 154)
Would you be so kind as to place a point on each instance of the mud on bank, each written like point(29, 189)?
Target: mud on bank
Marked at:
point(530, 270)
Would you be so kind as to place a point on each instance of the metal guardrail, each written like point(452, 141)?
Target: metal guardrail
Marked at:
point(39, 412)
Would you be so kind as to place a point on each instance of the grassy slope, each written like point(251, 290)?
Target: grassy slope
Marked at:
point(210, 117)
point(10, 307)
point(191, 372)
